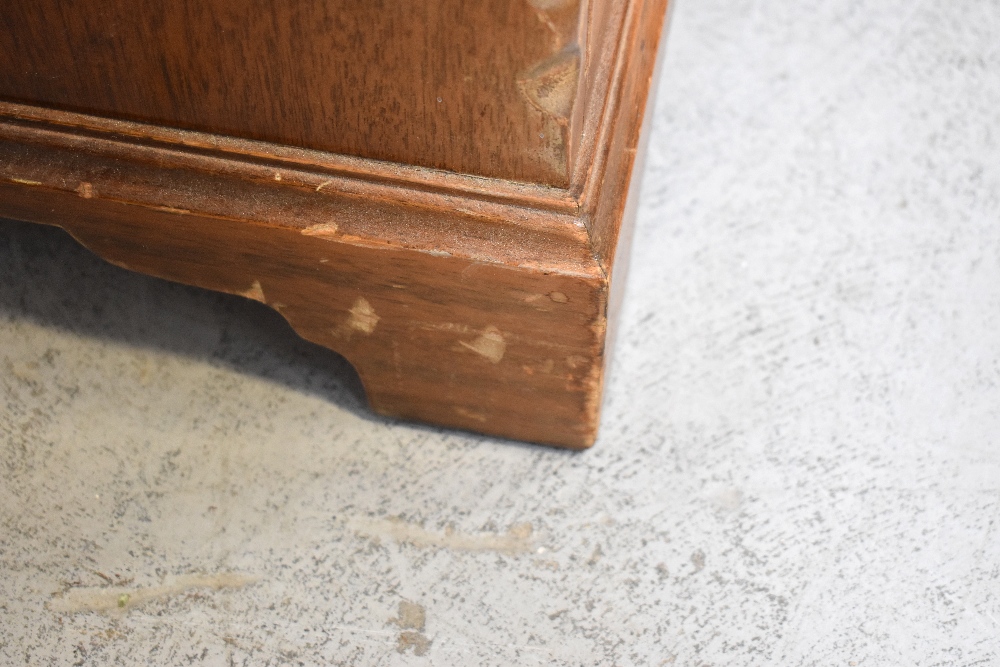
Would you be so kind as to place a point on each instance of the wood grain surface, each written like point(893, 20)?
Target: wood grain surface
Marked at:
point(487, 87)
point(476, 303)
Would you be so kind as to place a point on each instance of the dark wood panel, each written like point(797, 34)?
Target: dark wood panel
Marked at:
point(485, 87)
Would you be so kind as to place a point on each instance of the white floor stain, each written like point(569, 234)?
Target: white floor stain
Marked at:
point(516, 540)
point(110, 598)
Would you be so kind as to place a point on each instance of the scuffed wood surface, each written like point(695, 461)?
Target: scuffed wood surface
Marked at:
point(479, 304)
point(516, 352)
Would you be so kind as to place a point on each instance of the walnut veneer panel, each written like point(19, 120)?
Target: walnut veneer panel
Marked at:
point(484, 87)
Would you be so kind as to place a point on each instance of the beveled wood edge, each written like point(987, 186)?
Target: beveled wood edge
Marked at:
point(591, 167)
point(610, 191)
point(39, 157)
point(253, 153)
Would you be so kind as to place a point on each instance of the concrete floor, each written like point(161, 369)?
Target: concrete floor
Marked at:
point(800, 456)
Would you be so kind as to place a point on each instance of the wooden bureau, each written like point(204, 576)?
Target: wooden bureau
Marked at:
point(439, 190)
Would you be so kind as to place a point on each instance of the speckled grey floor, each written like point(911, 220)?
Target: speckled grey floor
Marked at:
point(800, 458)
